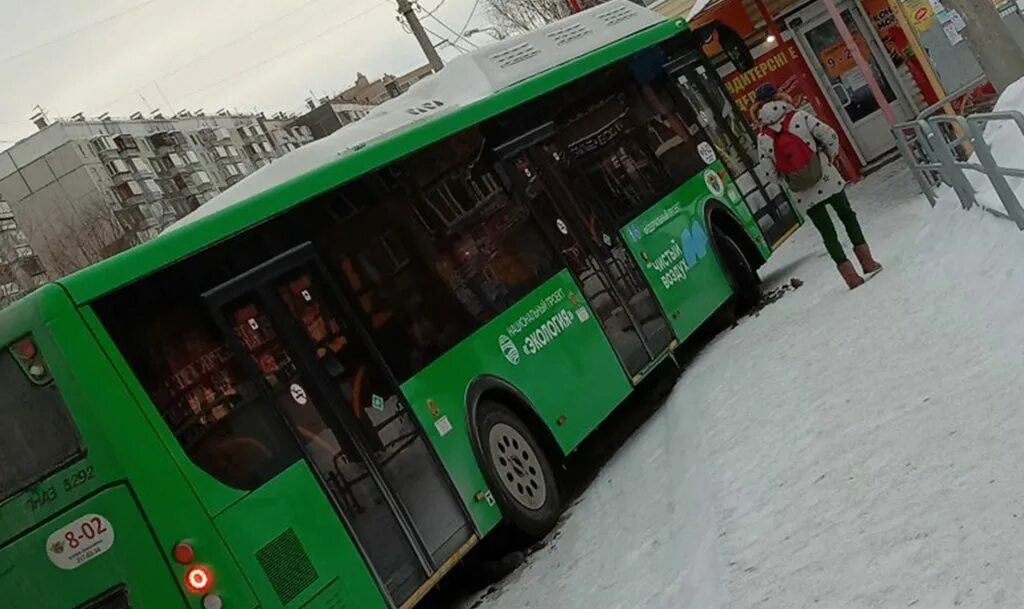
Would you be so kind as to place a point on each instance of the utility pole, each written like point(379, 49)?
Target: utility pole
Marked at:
point(990, 41)
point(406, 11)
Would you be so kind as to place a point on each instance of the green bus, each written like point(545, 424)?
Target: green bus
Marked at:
point(323, 387)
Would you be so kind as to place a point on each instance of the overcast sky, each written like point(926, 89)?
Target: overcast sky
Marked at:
point(124, 56)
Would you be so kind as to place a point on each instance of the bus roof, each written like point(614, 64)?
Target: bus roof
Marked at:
point(469, 90)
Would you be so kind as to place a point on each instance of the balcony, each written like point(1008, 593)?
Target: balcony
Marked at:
point(213, 135)
point(31, 265)
point(9, 290)
point(16, 239)
point(126, 144)
point(172, 164)
point(168, 141)
point(250, 132)
point(132, 192)
point(191, 158)
point(144, 216)
point(191, 183)
point(104, 147)
point(134, 169)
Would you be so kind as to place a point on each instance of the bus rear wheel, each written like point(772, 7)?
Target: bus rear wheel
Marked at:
point(742, 276)
point(518, 469)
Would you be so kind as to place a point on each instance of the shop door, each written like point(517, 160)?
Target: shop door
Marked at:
point(837, 73)
point(288, 323)
point(700, 88)
point(607, 273)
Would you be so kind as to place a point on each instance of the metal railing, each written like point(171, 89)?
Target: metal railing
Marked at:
point(949, 99)
point(938, 149)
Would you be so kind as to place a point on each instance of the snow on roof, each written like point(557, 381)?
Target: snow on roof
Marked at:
point(466, 79)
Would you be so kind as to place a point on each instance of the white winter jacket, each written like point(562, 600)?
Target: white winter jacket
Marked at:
point(819, 136)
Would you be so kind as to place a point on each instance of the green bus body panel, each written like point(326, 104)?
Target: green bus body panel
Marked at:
point(294, 502)
point(551, 350)
point(144, 259)
point(671, 243)
point(103, 409)
point(28, 578)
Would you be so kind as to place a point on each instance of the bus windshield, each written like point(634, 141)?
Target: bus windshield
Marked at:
point(38, 436)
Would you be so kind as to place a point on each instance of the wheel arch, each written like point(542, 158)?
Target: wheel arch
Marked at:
point(717, 215)
point(489, 387)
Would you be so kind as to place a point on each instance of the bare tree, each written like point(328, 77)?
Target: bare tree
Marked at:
point(73, 241)
point(518, 16)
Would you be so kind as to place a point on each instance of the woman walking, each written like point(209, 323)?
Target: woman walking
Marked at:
point(798, 150)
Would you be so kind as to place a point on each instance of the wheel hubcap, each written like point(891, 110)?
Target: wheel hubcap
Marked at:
point(517, 466)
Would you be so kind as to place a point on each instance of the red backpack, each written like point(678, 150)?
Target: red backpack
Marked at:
point(795, 161)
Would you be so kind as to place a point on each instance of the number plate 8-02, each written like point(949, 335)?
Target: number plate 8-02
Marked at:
point(74, 545)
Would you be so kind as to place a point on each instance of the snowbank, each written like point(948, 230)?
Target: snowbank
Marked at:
point(1007, 143)
point(842, 450)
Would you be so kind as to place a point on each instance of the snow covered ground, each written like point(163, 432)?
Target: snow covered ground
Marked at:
point(842, 449)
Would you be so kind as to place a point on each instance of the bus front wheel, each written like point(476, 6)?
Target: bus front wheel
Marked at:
point(742, 276)
point(518, 469)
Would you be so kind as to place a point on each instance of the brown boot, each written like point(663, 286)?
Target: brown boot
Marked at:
point(850, 276)
point(867, 261)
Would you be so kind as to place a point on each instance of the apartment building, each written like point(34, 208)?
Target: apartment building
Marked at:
point(331, 113)
point(20, 269)
point(328, 116)
point(374, 92)
point(83, 190)
point(285, 134)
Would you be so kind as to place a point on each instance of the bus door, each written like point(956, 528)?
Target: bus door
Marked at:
point(736, 143)
point(291, 326)
point(607, 274)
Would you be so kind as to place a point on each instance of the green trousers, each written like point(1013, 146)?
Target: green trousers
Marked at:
point(823, 222)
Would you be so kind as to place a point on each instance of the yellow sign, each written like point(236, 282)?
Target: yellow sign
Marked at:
point(920, 14)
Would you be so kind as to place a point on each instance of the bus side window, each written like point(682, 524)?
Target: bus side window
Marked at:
point(216, 410)
point(37, 435)
point(442, 250)
point(626, 140)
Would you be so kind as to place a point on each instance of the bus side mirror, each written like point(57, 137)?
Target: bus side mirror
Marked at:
point(735, 48)
point(731, 42)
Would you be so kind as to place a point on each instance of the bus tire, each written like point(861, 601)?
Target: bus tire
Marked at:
point(518, 469)
point(742, 276)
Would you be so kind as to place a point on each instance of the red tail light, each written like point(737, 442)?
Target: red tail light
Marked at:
point(26, 349)
point(184, 554)
point(198, 579)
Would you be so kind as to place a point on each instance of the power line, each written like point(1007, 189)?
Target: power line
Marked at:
point(457, 35)
point(431, 12)
point(445, 40)
point(279, 55)
point(75, 32)
point(267, 24)
point(465, 26)
point(273, 22)
point(472, 12)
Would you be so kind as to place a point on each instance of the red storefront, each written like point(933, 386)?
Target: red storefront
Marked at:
point(798, 49)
